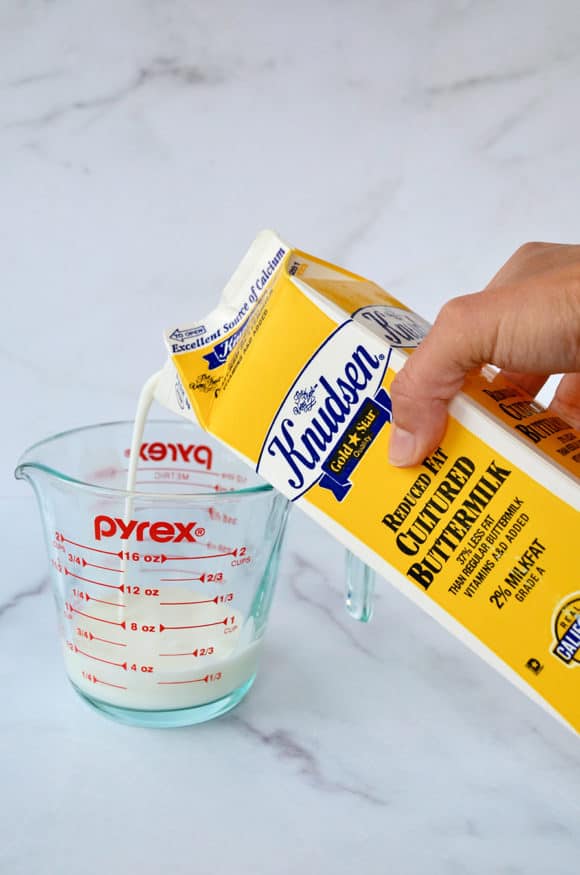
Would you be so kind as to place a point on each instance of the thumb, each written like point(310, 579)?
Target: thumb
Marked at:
point(461, 339)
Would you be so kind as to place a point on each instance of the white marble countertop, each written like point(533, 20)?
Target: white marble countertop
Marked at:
point(143, 144)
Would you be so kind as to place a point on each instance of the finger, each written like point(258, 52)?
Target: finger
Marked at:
point(566, 401)
point(530, 383)
point(435, 373)
point(510, 327)
point(534, 259)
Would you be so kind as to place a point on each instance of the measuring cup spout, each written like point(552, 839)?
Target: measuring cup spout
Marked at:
point(30, 471)
point(21, 472)
point(40, 463)
point(37, 471)
point(42, 479)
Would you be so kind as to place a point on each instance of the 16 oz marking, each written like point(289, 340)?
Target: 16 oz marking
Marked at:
point(138, 557)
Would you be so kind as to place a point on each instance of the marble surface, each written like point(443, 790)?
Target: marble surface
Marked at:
point(143, 144)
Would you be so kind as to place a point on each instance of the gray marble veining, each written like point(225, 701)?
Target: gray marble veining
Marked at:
point(143, 145)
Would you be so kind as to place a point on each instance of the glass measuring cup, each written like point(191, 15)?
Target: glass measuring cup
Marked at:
point(163, 594)
point(163, 609)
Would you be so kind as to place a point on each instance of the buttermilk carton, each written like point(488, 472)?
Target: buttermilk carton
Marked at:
point(292, 371)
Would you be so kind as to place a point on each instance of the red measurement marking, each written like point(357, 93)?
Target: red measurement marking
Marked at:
point(126, 554)
point(123, 625)
point(185, 470)
point(189, 653)
point(120, 587)
point(91, 598)
point(60, 537)
point(96, 680)
point(181, 579)
point(215, 601)
point(203, 680)
point(211, 556)
point(122, 665)
point(105, 640)
point(198, 626)
point(178, 483)
point(102, 567)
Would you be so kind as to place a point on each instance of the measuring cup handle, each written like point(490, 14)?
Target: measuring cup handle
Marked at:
point(360, 587)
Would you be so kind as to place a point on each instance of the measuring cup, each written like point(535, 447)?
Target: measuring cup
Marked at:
point(163, 594)
point(163, 599)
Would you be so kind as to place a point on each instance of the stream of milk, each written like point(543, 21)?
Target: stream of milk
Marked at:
point(161, 671)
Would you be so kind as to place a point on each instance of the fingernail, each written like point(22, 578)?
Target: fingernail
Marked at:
point(401, 447)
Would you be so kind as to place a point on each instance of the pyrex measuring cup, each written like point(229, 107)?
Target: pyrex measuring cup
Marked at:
point(162, 613)
point(163, 594)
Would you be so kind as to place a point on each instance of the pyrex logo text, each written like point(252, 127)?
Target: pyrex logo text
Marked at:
point(159, 452)
point(299, 440)
point(160, 531)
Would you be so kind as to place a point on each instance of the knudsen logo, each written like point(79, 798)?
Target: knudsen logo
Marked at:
point(160, 531)
point(219, 354)
point(330, 416)
point(400, 328)
point(185, 334)
point(159, 452)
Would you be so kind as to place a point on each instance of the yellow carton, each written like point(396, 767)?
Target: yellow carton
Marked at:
point(292, 371)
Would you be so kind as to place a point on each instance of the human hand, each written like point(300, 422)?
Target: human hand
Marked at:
point(526, 322)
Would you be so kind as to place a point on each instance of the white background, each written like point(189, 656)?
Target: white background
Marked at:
point(142, 146)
